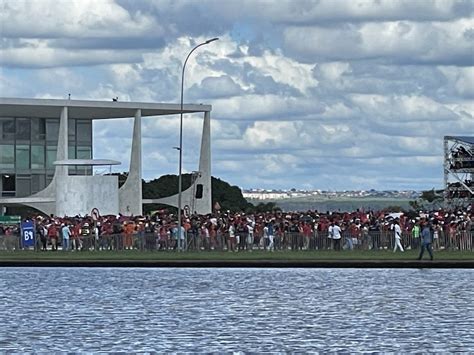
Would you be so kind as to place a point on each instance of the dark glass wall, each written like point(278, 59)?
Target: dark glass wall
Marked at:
point(28, 149)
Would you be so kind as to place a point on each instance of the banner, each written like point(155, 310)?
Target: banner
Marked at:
point(28, 234)
point(10, 219)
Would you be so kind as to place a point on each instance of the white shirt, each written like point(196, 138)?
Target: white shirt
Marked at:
point(336, 232)
point(250, 229)
point(398, 231)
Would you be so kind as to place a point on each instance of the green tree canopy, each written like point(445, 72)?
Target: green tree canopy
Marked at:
point(229, 197)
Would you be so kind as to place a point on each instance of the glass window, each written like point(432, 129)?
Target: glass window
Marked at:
point(8, 128)
point(84, 130)
point(7, 157)
point(37, 157)
point(50, 156)
point(49, 178)
point(38, 129)
point(71, 129)
point(83, 170)
point(23, 185)
point(22, 160)
point(23, 129)
point(84, 153)
point(71, 152)
point(38, 182)
point(52, 129)
point(72, 170)
point(8, 185)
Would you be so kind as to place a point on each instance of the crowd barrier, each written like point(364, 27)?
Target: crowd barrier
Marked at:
point(371, 240)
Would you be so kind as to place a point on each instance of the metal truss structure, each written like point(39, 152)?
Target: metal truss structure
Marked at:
point(458, 170)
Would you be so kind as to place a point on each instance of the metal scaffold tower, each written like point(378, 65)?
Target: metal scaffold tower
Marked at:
point(458, 170)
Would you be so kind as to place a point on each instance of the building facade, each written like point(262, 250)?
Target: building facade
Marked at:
point(46, 157)
point(28, 147)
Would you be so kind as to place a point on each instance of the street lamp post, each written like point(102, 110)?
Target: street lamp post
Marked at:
point(180, 175)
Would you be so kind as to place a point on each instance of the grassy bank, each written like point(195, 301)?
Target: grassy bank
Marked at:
point(214, 255)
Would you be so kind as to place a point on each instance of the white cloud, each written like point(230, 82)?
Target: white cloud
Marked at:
point(330, 93)
point(37, 53)
point(462, 79)
point(72, 18)
point(397, 41)
point(361, 10)
point(403, 108)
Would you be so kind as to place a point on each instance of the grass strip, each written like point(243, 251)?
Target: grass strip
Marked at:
point(215, 255)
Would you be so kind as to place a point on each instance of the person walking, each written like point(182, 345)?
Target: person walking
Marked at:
point(426, 241)
point(398, 236)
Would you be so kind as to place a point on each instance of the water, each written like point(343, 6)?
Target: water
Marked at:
point(230, 310)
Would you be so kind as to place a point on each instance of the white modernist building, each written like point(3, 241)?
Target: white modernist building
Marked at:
point(72, 194)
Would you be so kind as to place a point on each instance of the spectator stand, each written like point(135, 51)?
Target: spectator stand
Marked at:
point(458, 170)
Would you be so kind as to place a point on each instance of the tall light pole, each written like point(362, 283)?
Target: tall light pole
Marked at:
point(180, 175)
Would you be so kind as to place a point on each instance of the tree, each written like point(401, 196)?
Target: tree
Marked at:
point(429, 199)
point(263, 207)
point(230, 197)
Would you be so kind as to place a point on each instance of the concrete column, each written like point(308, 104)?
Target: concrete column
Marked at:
point(130, 194)
point(61, 172)
point(62, 151)
point(205, 205)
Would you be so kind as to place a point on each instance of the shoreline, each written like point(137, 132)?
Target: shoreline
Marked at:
point(395, 264)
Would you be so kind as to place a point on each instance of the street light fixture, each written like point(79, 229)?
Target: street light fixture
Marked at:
point(180, 177)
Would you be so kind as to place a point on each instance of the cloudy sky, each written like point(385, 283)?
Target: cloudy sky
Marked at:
point(324, 94)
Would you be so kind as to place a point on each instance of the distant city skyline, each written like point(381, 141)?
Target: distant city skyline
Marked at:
point(261, 194)
point(330, 94)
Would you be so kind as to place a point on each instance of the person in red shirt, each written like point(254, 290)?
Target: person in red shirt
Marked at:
point(76, 242)
point(307, 231)
point(53, 236)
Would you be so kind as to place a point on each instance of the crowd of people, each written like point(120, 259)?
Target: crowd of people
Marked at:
point(457, 190)
point(463, 158)
point(270, 231)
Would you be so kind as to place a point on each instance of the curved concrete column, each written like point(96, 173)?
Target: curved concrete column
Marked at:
point(202, 205)
point(50, 193)
point(61, 172)
point(130, 194)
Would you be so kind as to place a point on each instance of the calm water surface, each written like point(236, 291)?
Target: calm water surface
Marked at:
point(230, 310)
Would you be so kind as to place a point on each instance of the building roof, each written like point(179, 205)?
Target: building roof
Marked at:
point(86, 109)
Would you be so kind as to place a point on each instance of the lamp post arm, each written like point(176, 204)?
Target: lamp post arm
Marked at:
point(182, 73)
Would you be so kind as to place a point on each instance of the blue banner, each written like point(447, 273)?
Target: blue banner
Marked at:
point(28, 234)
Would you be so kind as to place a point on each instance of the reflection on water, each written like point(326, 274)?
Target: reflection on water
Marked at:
point(249, 310)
